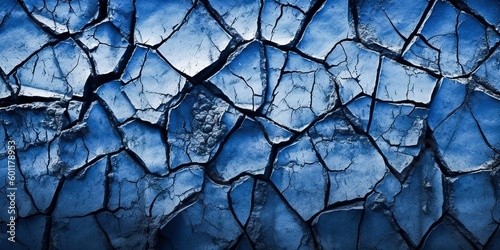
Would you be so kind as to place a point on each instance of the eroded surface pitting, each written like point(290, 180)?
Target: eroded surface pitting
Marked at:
point(329, 124)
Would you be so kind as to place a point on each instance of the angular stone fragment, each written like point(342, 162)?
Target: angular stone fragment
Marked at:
point(398, 130)
point(243, 79)
point(488, 73)
point(377, 232)
point(241, 198)
point(247, 140)
point(354, 164)
point(63, 16)
point(148, 144)
point(300, 177)
point(240, 15)
point(74, 110)
point(165, 195)
point(420, 202)
point(400, 83)
point(358, 112)
point(73, 233)
point(156, 21)
point(90, 187)
point(40, 175)
point(273, 132)
point(116, 100)
point(196, 44)
point(208, 222)
point(15, 24)
point(139, 203)
point(338, 228)
point(151, 84)
point(83, 143)
point(388, 23)
point(465, 124)
point(451, 42)
point(486, 9)
point(304, 92)
point(106, 45)
point(472, 201)
point(121, 13)
point(281, 20)
point(56, 72)
point(330, 25)
point(197, 126)
point(446, 235)
point(354, 70)
point(273, 224)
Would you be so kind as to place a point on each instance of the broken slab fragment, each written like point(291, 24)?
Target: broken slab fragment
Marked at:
point(139, 203)
point(40, 173)
point(402, 83)
point(164, 196)
point(123, 179)
point(281, 20)
point(84, 193)
point(296, 165)
point(243, 79)
point(338, 228)
point(106, 46)
point(63, 16)
point(358, 112)
point(451, 42)
point(273, 132)
point(115, 100)
point(248, 140)
point(328, 27)
point(148, 144)
point(484, 8)
point(82, 143)
point(377, 231)
point(304, 92)
point(472, 201)
point(196, 127)
point(151, 84)
point(273, 224)
point(420, 202)
point(354, 69)
point(197, 43)
point(240, 197)
point(208, 222)
point(465, 124)
point(156, 21)
point(74, 110)
point(59, 71)
point(398, 130)
point(16, 24)
point(354, 165)
point(488, 73)
point(387, 24)
point(241, 16)
point(121, 13)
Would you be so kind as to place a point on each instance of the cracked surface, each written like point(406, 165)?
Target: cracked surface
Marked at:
point(260, 124)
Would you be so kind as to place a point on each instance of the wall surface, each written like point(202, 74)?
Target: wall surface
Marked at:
point(255, 124)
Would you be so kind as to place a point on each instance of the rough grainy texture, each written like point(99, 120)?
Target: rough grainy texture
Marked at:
point(256, 124)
